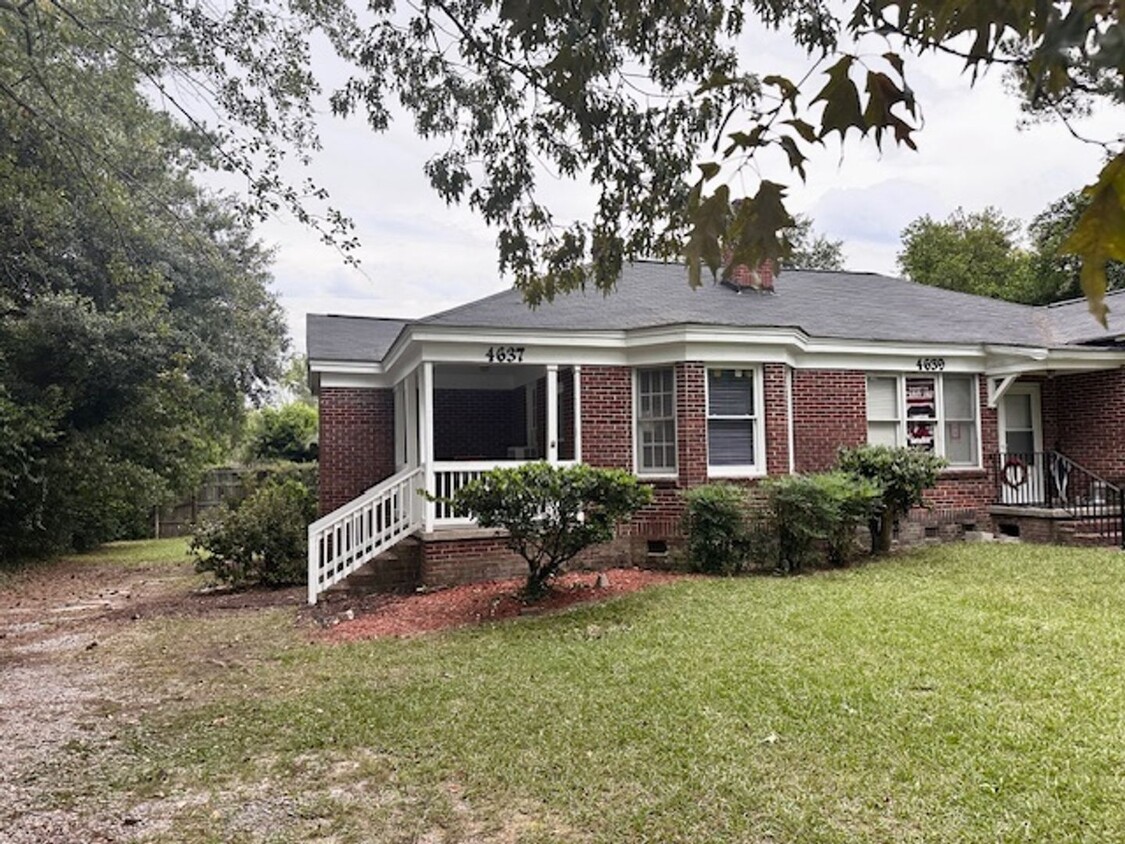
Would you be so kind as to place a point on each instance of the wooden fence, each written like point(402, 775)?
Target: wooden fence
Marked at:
point(217, 486)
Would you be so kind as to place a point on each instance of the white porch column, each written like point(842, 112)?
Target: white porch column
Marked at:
point(552, 414)
point(410, 389)
point(426, 435)
point(576, 377)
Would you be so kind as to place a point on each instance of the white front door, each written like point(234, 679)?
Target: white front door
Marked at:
point(1022, 470)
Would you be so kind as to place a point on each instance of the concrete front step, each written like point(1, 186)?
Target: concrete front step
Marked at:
point(1087, 533)
point(397, 569)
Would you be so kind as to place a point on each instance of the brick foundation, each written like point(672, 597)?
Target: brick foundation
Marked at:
point(468, 557)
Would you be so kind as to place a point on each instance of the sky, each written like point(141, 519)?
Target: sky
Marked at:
point(419, 256)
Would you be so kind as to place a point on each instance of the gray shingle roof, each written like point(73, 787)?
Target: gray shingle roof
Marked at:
point(331, 337)
point(858, 306)
point(830, 305)
point(1072, 323)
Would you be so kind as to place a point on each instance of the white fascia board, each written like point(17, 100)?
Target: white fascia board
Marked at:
point(347, 373)
point(352, 379)
point(1025, 352)
point(716, 344)
point(1054, 361)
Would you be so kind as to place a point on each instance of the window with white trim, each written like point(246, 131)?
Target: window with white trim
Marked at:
point(935, 413)
point(732, 422)
point(656, 421)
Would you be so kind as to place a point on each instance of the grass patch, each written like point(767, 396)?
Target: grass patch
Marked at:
point(138, 552)
point(962, 693)
point(132, 553)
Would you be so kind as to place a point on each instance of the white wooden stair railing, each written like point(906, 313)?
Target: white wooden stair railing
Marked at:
point(362, 529)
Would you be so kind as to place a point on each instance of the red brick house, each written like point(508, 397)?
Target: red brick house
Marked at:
point(687, 386)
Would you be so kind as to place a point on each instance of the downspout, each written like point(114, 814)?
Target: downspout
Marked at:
point(789, 418)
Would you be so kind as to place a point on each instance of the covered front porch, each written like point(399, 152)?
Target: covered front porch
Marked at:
point(453, 421)
point(1059, 465)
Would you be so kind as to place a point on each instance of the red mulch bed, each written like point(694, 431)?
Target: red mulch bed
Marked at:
point(475, 603)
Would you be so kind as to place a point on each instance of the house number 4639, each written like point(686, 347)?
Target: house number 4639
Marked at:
point(505, 354)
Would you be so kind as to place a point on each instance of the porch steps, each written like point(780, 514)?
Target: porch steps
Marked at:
point(397, 569)
point(1086, 534)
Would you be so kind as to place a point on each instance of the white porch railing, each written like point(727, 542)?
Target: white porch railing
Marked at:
point(365, 527)
point(452, 475)
point(348, 537)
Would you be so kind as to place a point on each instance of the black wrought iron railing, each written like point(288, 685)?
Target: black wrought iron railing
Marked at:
point(1051, 479)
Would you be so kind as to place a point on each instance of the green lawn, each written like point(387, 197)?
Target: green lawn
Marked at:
point(141, 552)
point(965, 693)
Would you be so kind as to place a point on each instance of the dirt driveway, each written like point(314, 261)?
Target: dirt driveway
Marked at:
point(64, 688)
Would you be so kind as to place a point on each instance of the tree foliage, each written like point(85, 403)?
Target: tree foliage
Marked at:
point(975, 252)
point(983, 252)
point(135, 318)
point(621, 95)
point(551, 513)
point(902, 474)
point(1058, 276)
point(810, 250)
point(288, 433)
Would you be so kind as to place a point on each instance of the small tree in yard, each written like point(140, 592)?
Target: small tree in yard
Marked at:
point(902, 473)
point(551, 513)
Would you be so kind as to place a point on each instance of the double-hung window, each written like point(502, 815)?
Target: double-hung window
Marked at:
point(733, 426)
point(935, 413)
point(656, 421)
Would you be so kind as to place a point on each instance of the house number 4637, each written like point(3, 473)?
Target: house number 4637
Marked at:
point(505, 354)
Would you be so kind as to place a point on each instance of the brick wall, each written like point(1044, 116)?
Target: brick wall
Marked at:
point(356, 442)
point(691, 424)
point(1088, 418)
point(607, 416)
point(478, 424)
point(776, 413)
point(829, 411)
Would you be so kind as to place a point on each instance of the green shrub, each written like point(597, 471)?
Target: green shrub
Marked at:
point(257, 475)
point(821, 511)
point(903, 474)
point(551, 513)
point(718, 538)
point(261, 540)
point(288, 432)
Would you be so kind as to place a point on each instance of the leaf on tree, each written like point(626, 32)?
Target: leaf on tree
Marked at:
point(841, 101)
point(708, 223)
point(807, 132)
point(745, 140)
point(882, 96)
point(1099, 234)
point(788, 90)
point(796, 157)
point(758, 222)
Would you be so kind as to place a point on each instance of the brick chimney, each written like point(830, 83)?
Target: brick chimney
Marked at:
point(741, 277)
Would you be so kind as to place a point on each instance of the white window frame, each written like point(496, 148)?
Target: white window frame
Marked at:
point(662, 473)
point(900, 405)
point(757, 419)
point(939, 402)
